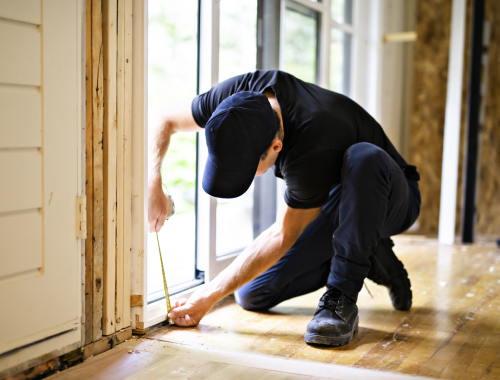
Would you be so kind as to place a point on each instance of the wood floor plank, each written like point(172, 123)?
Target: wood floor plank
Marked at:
point(113, 364)
point(485, 358)
point(206, 371)
point(289, 331)
point(446, 352)
point(392, 340)
point(487, 317)
point(239, 372)
point(493, 371)
point(315, 354)
point(177, 368)
point(406, 347)
point(462, 360)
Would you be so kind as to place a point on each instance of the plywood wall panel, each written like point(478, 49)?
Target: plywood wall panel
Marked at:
point(429, 102)
point(21, 178)
point(21, 43)
point(20, 117)
point(20, 243)
point(427, 120)
point(22, 10)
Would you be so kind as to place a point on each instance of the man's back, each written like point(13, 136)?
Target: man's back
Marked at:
point(320, 125)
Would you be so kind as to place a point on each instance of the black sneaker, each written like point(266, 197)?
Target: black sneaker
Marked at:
point(388, 271)
point(335, 321)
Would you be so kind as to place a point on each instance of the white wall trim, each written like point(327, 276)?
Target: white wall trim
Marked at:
point(451, 142)
point(30, 356)
point(209, 77)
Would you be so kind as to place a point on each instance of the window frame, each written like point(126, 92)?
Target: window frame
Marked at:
point(147, 314)
point(325, 25)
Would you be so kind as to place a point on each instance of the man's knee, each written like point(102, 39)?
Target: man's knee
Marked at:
point(362, 157)
point(251, 298)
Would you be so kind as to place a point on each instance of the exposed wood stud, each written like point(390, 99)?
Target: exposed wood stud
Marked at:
point(97, 147)
point(120, 92)
point(138, 143)
point(109, 44)
point(127, 189)
point(89, 191)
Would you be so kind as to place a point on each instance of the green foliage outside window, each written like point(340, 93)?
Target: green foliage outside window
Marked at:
point(172, 59)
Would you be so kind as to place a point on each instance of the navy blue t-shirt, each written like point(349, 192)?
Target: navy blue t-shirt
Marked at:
point(320, 125)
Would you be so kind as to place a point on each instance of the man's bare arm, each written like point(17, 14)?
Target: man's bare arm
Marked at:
point(163, 124)
point(263, 253)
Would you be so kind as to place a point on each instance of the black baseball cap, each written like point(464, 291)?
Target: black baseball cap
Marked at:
point(239, 131)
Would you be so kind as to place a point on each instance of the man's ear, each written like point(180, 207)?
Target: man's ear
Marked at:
point(277, 145)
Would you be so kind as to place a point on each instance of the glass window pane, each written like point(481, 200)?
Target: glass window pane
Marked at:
point(300, 44)
point(238, 38)
point(342, 11)
point(340, 61)
point(172, 57)
point(234, 223)
point(237, 55)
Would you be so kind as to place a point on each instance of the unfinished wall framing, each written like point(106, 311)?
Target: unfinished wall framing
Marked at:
point(108, 166)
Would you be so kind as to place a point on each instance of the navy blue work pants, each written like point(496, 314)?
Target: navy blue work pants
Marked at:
point(374, 200)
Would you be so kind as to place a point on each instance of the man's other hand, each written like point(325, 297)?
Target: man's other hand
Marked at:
point(157, 208)
point(190, 312)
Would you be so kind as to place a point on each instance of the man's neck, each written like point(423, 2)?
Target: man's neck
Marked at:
point(276, 106)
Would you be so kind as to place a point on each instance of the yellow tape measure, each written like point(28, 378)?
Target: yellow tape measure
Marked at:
point(167, 297)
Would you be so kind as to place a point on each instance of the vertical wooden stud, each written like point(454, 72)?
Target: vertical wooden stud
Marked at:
point(120, 80)
point(127, 189)
point(89, 191)
point(139, 153)
point(110, 46)
point(97, 151)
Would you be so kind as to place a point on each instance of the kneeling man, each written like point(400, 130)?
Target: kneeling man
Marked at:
point(348, 191)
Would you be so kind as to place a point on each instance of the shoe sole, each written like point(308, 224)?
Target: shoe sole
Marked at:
point(330, 340)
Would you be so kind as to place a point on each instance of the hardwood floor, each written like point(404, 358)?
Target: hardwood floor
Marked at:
point(153, 359)
point(452, 330)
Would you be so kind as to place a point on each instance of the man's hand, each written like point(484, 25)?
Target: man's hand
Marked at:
point(190, 312)
point(157, 208)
